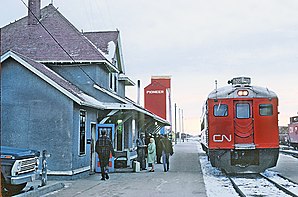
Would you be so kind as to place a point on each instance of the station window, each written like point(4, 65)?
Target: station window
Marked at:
point(113, 79)
point(82, 132)
point(243, 110)
point(266, 109)
point(220, 110)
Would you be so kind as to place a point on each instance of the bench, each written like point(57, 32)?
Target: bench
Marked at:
point(124, 158)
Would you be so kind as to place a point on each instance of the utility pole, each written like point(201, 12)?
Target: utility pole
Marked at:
point(175, 124)
point(180, 125)
point(182, 122)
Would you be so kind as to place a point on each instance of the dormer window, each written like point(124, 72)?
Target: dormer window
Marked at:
point(113, 79)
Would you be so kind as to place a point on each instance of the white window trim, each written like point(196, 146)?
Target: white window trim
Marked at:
point(79, 133)
point(114, 85)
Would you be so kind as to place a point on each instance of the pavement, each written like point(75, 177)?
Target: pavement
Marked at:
point(184, 178)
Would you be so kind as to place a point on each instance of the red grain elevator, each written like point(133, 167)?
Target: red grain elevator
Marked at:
point(157, 96)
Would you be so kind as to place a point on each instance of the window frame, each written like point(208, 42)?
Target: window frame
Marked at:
point(82, 132)
point(269, 104)
point(249, 110)
point(113, 81)
point(226, 112)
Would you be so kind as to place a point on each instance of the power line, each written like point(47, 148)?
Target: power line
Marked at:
point(58, 43)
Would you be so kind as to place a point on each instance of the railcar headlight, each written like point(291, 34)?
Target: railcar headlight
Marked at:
point(242, 93)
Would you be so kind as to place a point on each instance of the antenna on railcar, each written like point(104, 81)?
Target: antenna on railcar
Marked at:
point(215, 85)
point(216, 90)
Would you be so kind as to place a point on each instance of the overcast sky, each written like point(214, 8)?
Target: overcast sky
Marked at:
point(196, 42)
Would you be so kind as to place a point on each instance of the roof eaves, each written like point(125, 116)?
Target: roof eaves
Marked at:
point(80, 61)
point(120, 52)
point(128, 81)
point(119, 106)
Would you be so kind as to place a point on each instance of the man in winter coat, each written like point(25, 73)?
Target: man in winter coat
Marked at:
point(104, 148)
point(141, 150)
point(158, 149)
point(167, 150)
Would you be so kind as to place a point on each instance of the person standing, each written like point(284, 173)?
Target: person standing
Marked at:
point(104, 148)
point(141, 147)
point(158, 149)
point(151, 154)
point(167, 150)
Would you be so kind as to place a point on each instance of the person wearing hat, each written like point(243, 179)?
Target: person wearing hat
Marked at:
point(141, 148)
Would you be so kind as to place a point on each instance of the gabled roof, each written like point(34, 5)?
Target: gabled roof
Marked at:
point(36, 43)
point(109, 43)
point(55, 80)
point(101, 39)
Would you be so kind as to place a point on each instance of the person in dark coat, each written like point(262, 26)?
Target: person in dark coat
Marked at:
point(158, 149)
point(104, 148)
point(167, 150)
point(141, 150)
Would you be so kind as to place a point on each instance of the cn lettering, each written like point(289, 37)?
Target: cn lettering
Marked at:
point(221, 138)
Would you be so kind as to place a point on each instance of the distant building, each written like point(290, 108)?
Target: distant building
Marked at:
point(157, 96)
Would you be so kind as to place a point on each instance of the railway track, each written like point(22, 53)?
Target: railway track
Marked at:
point(261, 185)
point(293, 153)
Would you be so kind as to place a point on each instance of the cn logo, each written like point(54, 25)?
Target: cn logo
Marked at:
point(221, 138)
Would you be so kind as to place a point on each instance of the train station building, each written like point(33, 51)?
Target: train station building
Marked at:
point(60, 87)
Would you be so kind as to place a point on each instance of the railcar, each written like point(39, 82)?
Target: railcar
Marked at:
point(239, 127)
point(293, 132)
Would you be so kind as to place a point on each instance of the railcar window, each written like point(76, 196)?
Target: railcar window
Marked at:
point(266, 109)
point(243, 110)
point(220, 110)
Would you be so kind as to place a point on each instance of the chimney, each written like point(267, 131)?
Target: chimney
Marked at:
point(33, 12)
point(139, 93)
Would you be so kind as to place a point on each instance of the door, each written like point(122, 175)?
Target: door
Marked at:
point(109, 128)
point(243, 122)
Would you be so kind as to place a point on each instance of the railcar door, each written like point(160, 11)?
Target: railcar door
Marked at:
point(243, 124)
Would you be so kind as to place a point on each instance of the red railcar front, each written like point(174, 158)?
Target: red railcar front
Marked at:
point(242, 127)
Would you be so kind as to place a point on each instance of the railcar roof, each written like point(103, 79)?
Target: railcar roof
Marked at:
point(231, 92)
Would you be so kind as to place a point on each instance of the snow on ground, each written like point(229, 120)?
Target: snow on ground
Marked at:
point(258, 187)
point(285, 183)
point(215, 182)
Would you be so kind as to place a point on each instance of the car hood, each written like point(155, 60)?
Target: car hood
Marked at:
point(18, 152)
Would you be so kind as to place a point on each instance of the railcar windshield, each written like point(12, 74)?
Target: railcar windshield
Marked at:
point(243, 110)
point(266, 109)
point(220, 110)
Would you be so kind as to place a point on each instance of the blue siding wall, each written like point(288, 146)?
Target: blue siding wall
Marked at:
point(35, 115)
point(98, 73)
point(83, 160)
point(121, 89)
